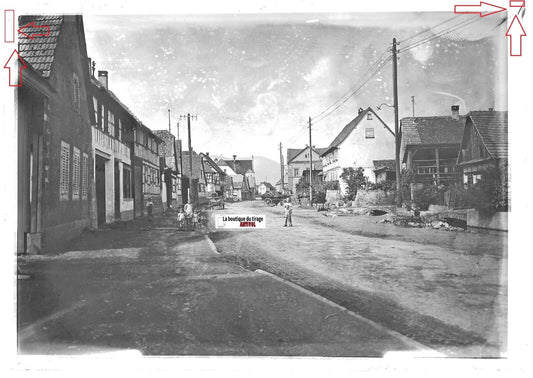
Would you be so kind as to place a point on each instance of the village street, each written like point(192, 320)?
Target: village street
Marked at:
point(443, 289)
point(142, 287)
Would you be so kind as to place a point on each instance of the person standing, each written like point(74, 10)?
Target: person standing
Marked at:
point(288, 212)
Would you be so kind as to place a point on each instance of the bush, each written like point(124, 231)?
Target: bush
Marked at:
point(355, 179)
point(319, 189)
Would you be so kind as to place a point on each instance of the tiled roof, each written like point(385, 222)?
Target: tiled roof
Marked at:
point(347, 130)
point(294, 152)
point(492, 127)
point(39, 52)
point(432, 130)
point(241, 166)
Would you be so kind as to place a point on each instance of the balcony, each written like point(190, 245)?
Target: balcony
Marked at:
point(106, 143)
point(146, 154)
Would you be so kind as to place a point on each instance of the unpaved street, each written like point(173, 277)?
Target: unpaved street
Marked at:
point(144, 288)
point(444, 289)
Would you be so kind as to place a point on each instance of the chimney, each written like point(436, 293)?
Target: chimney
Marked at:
point(491, 109)
point(103, 79)
point(207, 154)
point(360, 110)
point(234, 163)
point(455, 112)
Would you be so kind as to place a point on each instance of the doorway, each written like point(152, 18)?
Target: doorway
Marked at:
point(100, 190)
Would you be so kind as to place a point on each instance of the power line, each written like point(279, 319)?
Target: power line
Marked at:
point(428, 30)
point(440, 34)
point(375, 71)
point(352, 88)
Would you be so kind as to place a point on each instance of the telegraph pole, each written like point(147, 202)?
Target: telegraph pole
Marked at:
point(282, 167)
point(413, 101)
point(188, 117)
point(396, 121)
point(310, 166)
point(169, 130)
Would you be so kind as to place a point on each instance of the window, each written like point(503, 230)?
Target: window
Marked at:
point(64, 171)
point(209, 177)
point(126, 180)
point(76, 173)
point(296, 172)
point(76, 97)
point(103, 123)
point(111, 123)
point(369, 116)
point(84, 176)
point(369, 133)
point(95, 106)
point(120, 129)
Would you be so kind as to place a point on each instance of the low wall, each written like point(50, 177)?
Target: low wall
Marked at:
point(366, 198)
point(499, 221)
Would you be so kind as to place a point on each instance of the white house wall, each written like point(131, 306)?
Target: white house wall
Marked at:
point(358, 151)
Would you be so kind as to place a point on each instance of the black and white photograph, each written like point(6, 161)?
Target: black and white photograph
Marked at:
point(311, 183)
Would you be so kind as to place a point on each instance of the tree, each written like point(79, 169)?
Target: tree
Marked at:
point(355, 179)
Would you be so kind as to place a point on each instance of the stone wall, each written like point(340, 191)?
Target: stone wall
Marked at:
point(366, 198)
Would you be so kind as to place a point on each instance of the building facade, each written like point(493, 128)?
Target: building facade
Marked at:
point(146, 170)
point(298, 165)
point(365, 139)
point(112, 136)
point(171, 177)
point(430, 146)
point(55, 160)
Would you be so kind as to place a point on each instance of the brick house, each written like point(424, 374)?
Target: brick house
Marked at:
point(55, 163)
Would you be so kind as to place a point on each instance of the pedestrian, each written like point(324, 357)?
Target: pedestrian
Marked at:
point(194, 219)
point(188, 213)
point(181, 219)
point(149, 208)
point(288, 212)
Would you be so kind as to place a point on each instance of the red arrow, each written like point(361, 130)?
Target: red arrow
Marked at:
point(518, 31)
point(483, 9)
point(33, 35)
point(13, 63)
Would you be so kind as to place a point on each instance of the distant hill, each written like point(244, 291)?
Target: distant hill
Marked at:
point(266, 170)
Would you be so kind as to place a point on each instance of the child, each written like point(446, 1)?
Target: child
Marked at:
point(181, 219)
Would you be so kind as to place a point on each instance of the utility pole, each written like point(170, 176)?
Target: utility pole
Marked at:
point(310, 166)
point(413, 101)
point(180, 146)
point(188, 117)
point(282, 167)
point(169, 130)
point(396, 121)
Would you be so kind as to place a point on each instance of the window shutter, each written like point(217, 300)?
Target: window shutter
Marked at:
point(76, 174)
point(64, 172)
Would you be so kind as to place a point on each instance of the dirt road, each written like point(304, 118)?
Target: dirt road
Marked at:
point(445, 289)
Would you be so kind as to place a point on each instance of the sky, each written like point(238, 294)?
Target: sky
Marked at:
point(253, 80)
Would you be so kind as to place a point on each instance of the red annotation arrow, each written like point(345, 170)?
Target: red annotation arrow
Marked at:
point(37, 28)
point(516, 30)
point(483, 9)
point(13, 64)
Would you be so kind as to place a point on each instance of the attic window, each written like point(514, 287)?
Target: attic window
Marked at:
point(369, 116)
point(369, 133)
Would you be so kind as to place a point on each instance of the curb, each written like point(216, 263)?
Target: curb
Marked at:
point(422, 350)
point(212, 245)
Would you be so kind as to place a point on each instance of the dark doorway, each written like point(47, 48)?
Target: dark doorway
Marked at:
point(184, 190)
point(100, 189)
point(117, 190)
point(138, 190)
